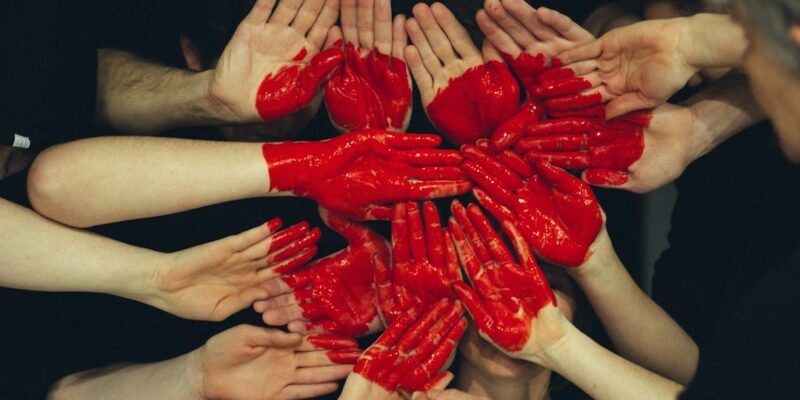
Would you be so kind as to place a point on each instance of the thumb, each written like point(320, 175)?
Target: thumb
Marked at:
point(607, 178)
point(626, 103)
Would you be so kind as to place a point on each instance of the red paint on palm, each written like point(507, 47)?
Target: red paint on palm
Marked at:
point(581, 143)
point(505, 295)
point(559, 215)
point(336, 293)
point(474, 104)
point(370, 90)
point(292, 87)
point(410, 353)
point(360, 174)
point(423, 262)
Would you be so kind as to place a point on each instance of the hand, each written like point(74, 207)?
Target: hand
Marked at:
point(466, 95)
point(372, 89)
point(528, 39)
point(215, 280)
point(272, 66)
point(424, 263)
point(334, 294)
point(248, 362)
point(360, 174)
point(558, 213)
point(642, 65)
point(511, 303)
point(607, 149)
point(409, 355)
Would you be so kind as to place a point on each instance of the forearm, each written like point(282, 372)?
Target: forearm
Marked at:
point(640, 330)
point(601, 373)
point(109, 179)
point(162, 380)
point(134, 95)
point(713, 40)
point(38, 254)
point(720, 111)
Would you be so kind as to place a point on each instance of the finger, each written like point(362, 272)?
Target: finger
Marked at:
point(283, 315)
point(434, 236)
point(490, 53)
point(279, 301)
point(437, 359)
point(307, 15)
point(237, 302)
point(476, 242)
point(408, 141)
point(561, 180)
point(328, 342)
point(365, 23)
point(452, 266)
point(578, 69)
point(465, 252)
point(436, 190)
point(450, 173)
point(384, 290)
point(628, 102)
point(334, 38)
point(456, 33)
point(276, 287)
point(495, 244)
point(400, 238)
point(438, 381)
point(326, 357)
point(439, 43)
point(490, 183)
point(349, 29)
point(573, 102)
point(553, 143)
point(570, 160)
point(420, 73)
point(269, 337)
point(417, 332)
point(432, 157)
point(374, 212)
point(498, 211)
point(286, 11)
point(608, 178)
point(587, 51)
point(395, 331)
point(322, 31)
point(521, 246)
point(260, 12)
point(307, 391)
point(307, 240)
point(430, 61)
point(322, 374)
point(597, 112)
point(562, 24)
point(287, 266)
point(511, 160)
point(491, 164)
point(252, 236)
point(566, 86)
point(560, 127)
point(514, 28)
point(529, 18)
point(414, 229)
point(399, 36)
point(474, 305)
point(501, 40)
point(383, 26)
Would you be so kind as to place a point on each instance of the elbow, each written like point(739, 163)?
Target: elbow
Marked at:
point(50, 190)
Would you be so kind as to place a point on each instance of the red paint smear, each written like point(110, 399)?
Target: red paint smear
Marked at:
point(370, 91)
point(474, 104)
point(527, 68)
point(606, 177)
point(332, 342)
point(344, 356)
point(300, 55)
point(292, 87)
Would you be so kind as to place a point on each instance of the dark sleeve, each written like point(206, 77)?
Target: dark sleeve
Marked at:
point(49, 77)
point(755, 352)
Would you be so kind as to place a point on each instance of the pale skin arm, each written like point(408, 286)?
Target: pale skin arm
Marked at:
point(190, 173)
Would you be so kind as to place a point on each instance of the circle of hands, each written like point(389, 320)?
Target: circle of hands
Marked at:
point(520, 117)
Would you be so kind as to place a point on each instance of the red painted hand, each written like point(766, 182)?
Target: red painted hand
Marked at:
point(557, 212)
point(606, 149)
point(466, 94)
point(360, 174)
point(334, 294)
point(506, 297)
point(409, 355)
point(424, 263)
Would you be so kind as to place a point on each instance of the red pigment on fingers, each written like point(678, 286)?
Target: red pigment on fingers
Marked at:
point(474, 104)
point(606, 177)
point(344, 356)
point(300, 55)
point(370, 91)
point(332, 342)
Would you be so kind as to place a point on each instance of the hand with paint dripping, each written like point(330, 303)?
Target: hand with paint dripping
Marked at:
point(465, 93)
point(273, 67)
point(361, 174)
point(372, 88)
point(424, 263)
point(511, 302)
point(557, 213)
point(606, 150)
point(248, 362)
point(409, 355)
point(215, 280)
point(528, 39)
point(334, 294)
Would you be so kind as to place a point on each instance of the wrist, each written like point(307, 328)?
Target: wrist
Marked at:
point(192, 375)
point(600, 255)
point(722, 46)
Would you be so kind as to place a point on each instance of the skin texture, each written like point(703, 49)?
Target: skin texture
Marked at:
point(273, 66)
point(557, 212)
point(372, 89)
point(360, 174)
point(424, 262)
point(409, 354)
point(505, 296)
point(605, 149)
point(334, 294)
point(466, 94)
